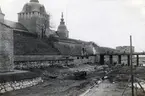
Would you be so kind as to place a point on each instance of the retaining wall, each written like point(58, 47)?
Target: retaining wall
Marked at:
point(46, 61)
point(10, 86)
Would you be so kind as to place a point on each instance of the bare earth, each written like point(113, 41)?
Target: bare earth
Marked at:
point(106, 89)
point(58, 87)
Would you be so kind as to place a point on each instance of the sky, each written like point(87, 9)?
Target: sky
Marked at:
point(108, 23)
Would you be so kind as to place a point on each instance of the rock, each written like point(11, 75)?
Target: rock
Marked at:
point(17, 84)
point(2, 91)
point(9, 88)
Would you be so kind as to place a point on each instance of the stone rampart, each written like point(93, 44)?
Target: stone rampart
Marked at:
point(11, 86)
point(37, 57)
point(45, 61)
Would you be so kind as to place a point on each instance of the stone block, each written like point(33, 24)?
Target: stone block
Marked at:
point(9, 88)
point(2, 91)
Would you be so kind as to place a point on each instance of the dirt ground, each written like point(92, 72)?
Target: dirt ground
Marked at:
point(51, 88)
point(107, 89)
point(63, 85)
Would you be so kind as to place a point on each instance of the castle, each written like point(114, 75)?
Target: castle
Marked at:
point(34, 19)
point(32, 35)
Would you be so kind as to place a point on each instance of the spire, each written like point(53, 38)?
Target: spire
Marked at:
point(62, 15)
point(62, 19)
point(34, 1)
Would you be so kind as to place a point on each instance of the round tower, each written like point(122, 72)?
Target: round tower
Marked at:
point(62, 31)
point(34, 17)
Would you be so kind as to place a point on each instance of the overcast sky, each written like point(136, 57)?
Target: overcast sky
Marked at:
point(106, 22)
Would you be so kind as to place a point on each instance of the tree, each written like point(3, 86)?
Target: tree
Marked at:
point(44, 26)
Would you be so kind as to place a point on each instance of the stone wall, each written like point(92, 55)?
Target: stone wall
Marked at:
point(37, 57)
point(68, 60)
point(67, 48)
point(10, 86)
point(6, 48)
point(85, 59)
point(41, 64)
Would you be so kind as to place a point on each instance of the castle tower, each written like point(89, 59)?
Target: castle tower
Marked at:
point(34, 17)
point(1, 16)
point(62, 29)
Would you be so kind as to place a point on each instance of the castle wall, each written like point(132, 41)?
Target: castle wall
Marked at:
point(30, 62)
point(6, 49)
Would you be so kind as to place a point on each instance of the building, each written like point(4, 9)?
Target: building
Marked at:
point(125, 49)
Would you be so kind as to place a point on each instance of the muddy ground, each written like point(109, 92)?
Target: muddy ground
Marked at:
point(60, 81)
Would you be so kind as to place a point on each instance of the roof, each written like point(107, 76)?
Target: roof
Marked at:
point(33, 6)
point(5, 25)
point(15, 25)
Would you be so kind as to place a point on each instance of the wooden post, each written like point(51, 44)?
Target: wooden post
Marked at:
point(128, 60)
point(137, 60)
point(119, 59)
point(111, 59)
point(131, 67)
point(102, 59)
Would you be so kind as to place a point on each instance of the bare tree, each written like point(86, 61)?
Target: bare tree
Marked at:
point(44, 26)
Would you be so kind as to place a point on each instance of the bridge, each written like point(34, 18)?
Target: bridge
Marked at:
point(119, 54)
